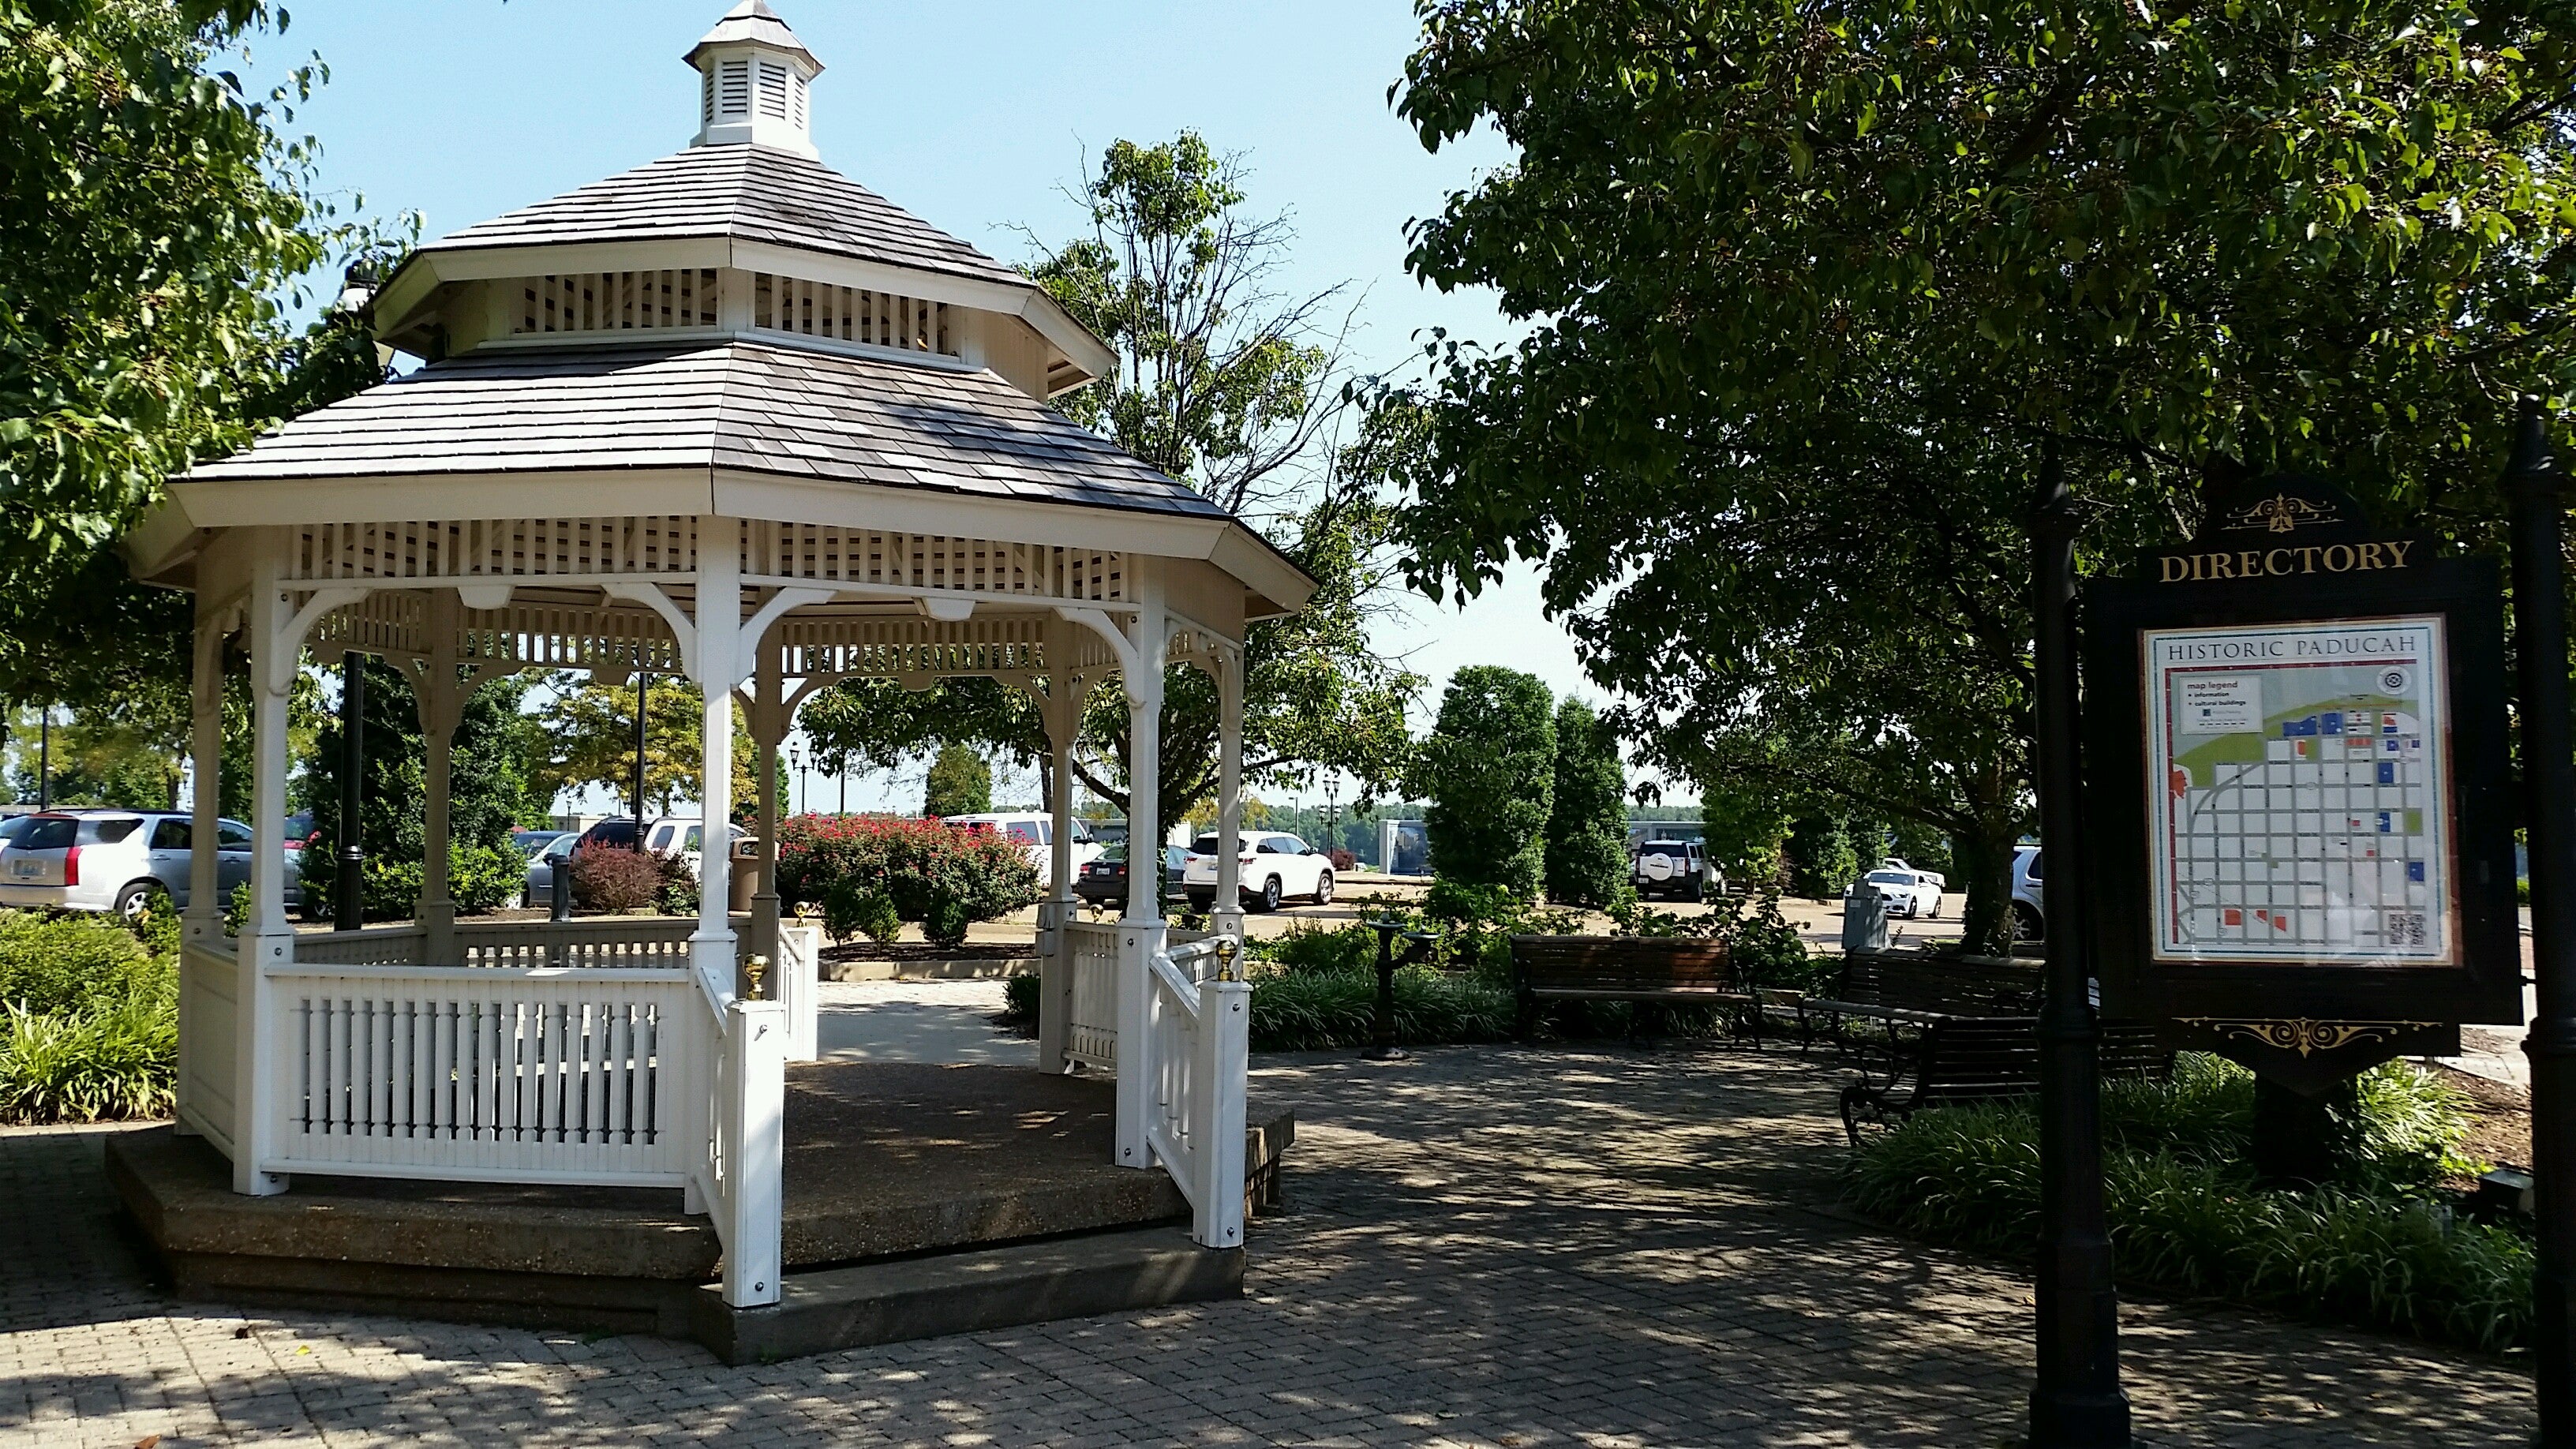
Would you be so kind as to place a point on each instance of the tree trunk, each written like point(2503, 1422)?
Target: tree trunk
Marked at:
point(1985, 860)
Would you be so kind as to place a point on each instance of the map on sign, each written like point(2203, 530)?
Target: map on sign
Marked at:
point(2299, 810)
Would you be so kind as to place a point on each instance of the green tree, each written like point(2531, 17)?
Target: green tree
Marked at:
point(1821, 859)
point(1587, 822)
point(493, 766)
point(588, 735)
point(1489, 771)
point(960, 783)
point(1822, 285)
point(157, 221)
point(93, 762)
point(1236, 391)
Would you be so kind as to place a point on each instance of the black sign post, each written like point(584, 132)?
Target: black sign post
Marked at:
point(2536, 487)
point(2077, 1402)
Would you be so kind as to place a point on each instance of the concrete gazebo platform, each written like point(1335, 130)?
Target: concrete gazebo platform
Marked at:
point(987, 1170)
point(731, 417)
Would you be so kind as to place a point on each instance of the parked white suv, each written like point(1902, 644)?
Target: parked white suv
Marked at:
point(1035, 835)
point(116, 860)
point(1274, 867)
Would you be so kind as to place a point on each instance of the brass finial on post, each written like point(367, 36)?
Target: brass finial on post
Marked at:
point(754, 968)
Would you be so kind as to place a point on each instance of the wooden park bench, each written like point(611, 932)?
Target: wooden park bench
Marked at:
point(1644, 970)
point(1914, 989)
point(1969, 1059)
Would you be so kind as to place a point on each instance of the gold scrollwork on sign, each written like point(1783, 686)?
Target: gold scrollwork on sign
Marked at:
point(2281, 513)
point(2305, 1036)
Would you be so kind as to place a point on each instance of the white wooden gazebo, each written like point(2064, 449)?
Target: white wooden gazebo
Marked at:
point(732, 416)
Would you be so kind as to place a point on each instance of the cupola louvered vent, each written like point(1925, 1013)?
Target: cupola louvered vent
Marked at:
point(755, 76)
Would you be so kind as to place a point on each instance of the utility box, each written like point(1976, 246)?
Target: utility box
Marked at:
point(1864, 920)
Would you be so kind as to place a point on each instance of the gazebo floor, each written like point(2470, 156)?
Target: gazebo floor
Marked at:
point(919, 1200)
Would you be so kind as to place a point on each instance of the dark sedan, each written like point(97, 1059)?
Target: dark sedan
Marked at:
point(1104, 881)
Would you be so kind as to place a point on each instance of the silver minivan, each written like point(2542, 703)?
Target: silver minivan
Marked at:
point(114, 860)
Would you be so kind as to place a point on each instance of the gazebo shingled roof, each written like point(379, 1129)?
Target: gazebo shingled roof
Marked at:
point(752, 406)
point(751, 193)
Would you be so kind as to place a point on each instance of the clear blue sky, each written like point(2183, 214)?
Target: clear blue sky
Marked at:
point(972, 116)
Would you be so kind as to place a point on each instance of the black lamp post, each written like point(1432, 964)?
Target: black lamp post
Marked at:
point(2077, 1402)
point(1382, 1047)
point(45, 759)
point(2536, 487)
point(348, 904)
point(643, 688)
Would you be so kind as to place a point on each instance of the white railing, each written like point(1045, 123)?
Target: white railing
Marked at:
point(498, 1074)
point(610, 942)
point(1090, 987)
point(604, 1076)
point(208, 1049)
point(368, 946)
point(1193, 1067)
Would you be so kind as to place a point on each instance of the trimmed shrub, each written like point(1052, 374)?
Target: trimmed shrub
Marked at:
point(1587, 823)
point(1489, 770)
point(1343, 861)
point(1312, 1011)
point(944, 878)
point(1310, 950)
point(480, 879)
point(2186, 1212)
point(853, 910)
point(65, 963)
point(677, 895)
point(89, 1023)
point(614, 878)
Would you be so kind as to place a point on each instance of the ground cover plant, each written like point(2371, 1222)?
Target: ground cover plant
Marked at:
point(89, 1023)
point(2378, 1245)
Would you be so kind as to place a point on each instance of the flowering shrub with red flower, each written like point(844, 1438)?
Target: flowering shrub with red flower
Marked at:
point(852, 867)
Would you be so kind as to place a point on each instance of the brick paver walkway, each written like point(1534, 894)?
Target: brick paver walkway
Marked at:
point(1490, 1247)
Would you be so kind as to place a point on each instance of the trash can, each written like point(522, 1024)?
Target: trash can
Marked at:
point(1864, 920)
point(746, 875)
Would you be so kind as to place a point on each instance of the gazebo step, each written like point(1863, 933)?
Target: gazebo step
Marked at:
point(968, 1292)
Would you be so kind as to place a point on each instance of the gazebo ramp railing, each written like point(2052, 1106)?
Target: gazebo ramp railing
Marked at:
point(643, 1073)
point(1181, 1095)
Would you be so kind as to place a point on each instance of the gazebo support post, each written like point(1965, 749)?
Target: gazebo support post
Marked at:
point(1061, 710)
point(769, 717)
point(1227, 917)
point(1141, 934)
point(714, 659)
point(267, 939)
point(203, 921)
point(440, 699)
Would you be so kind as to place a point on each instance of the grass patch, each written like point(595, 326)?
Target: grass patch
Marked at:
point(89, 1019)
point(2379, 1246)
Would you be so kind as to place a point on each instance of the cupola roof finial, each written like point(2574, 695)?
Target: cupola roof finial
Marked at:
point(753, 76)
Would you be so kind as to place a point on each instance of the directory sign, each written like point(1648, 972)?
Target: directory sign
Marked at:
point(2298, 809)
point(2302, 807)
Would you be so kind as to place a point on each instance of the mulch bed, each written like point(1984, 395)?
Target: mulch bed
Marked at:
point(2500, 1124)
point(864, 950)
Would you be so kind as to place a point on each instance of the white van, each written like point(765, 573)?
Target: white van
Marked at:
point(1035, 835)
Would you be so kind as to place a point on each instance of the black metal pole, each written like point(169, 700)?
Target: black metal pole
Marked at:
point(2536, 487)
point(2077, 1402)
point(348, 899)
point(1382, 1047)
point(45, 759)
point(643, 688)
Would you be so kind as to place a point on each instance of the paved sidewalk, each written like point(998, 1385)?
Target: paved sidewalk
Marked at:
point(1486, 1247)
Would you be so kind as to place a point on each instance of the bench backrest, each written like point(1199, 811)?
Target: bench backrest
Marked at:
point(1982, 1059)
point(1619, 963)
point(1962, 986)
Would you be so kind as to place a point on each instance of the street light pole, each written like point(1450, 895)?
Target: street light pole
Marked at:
point(2077, 1402)
point(2536, 488)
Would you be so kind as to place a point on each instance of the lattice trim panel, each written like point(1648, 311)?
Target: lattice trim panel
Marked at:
point(615, 301)
point(804, 308)
point(901, 648)
point(821, 554)
point(511, 548)
point(396, 625)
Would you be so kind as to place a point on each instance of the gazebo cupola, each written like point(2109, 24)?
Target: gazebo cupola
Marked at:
point(732, 416)
point(752, 77)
